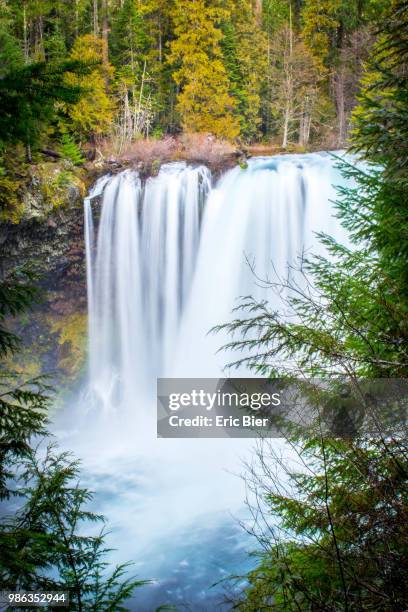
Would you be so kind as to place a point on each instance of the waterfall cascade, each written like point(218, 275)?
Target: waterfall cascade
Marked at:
point(166, 261)
point(171, 256)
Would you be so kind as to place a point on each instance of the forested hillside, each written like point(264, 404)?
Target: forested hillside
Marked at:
point(285, 71)
point(95, 78)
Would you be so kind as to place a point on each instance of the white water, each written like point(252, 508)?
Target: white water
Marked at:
point(172, 257)
point(140, 270)
point(166, 261)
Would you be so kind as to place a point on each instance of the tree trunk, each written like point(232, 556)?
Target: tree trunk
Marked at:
point(301, 128)
point(95, 18)
point(289, 83)
point(340, 104)
point(29, 157)
point(258, 11)
point(286, 126)
point(105, 32)
point(305, 121)
point(26, 49)
point(76, 19)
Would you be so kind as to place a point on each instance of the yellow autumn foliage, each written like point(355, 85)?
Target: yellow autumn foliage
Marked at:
point(71, 331)
point(204, 101)
point(93, 114)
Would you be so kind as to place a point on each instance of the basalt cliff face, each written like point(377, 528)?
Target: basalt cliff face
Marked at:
point(49, 238)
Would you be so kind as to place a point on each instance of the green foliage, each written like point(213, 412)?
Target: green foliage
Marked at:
point(203, 66)
point(92, 114)
point(133, 87)
point(356, 318)
point(276, 14)
point(334, 532)
point(22, 407)
point(55, 47)
point(43, 545)
point(70, 150)
point(9, 196)
point(380, 134)
point(28, 96)
point(320, 24)
point(204, 102)
point(129, 40)
point(244, 51)
point(340, 542)
point(17, 293)
point(47, 534)
point(11, 57)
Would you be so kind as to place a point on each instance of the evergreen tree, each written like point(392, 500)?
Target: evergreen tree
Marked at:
point(92, 115)
point(70, 150)
point(380, 134)
point(128, 40)
point(321, 21)
point(237, 40)
point(158, 26)
point(244, 50)
point(28, 93)
point(335, 536)
point(129, 45)
point(204, 101)
point(22, 407)
point(42, 541)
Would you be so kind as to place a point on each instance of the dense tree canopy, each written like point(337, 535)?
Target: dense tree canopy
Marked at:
point(333, 532)
point(204, 65)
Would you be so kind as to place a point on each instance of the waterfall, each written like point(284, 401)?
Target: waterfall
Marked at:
point(140, 264)
point(171, 255)
point(167, 259)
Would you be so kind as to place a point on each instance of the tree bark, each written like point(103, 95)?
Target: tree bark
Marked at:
point(25, 35)
point(286, 126)
point(340, 104)
point(289, 84)
point(105, 32)
point(76, 19)
point(258, 11)
point(95, 18)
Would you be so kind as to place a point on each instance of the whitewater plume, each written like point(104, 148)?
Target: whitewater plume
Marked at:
point(140, 264)
point(169, 257)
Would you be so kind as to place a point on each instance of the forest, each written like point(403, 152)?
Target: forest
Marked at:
point(112, 72)
point(86, 83)
point(278, 71)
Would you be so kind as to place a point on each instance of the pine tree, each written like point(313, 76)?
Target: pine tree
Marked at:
point(380, 134)
point(92, 115)
point(245, 58)
point(129, 44)
point(22, 407)
point(320, 24)
point(30, 91)
point(70, 150)
point(335, 536)
point(43, 545)
point(161, 88)
point(128, 41)
point(204, 101)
